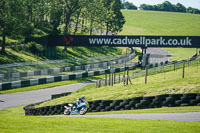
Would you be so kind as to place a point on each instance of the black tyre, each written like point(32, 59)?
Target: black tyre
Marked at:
point(190, 96)
point(108, 108)
point(67, 112)
point(169, 100)
point(137, 99)
point(132, 103)
point(98, 109)
point(127, 107)
point(139, 106)
point(83, 111)
point(149, 98)
point(178, 102)
point(117, 108)
point(106, 102)
point(198, 99)
point(176, 96)
point(145, 102)
point(193, 102)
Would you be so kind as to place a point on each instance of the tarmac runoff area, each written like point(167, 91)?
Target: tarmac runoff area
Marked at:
point(192, 116)
point(29, 97)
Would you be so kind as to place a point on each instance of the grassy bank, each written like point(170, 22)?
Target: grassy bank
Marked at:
point(14, 121)
point(163, 83)
point(181, 53)
point(160, 23)
point(163, 23)
point(14, 55)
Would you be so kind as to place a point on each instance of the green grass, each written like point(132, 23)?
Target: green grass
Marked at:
point(163, 23)
point(160, 23)
point(181, 53)
point(13, 56)
point(13, 121)
point(163, 83)
point(155, 110)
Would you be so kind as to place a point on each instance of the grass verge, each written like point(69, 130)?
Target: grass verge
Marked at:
point(13, 121)
point(181, 53)
point(154, 110)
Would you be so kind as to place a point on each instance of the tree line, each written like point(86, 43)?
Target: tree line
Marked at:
point(165, 6)
point(22, 18)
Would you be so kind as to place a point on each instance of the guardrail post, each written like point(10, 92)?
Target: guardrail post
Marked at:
point(119, 78)
point(114, 78)
point(183, 75)
point(146, 74)
point(127, 73)
point(105, 79)
point(109, 79)
point(96, 84)
point(174, 66)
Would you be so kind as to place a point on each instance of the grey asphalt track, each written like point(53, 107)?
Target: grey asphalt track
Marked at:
point(191, 116)
point(29, 97)
point(157, 51)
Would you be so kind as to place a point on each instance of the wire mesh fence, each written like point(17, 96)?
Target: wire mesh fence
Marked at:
point(116, 78)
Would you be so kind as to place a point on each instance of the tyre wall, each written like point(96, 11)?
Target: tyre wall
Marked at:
point(166, 100)
point(60, 95)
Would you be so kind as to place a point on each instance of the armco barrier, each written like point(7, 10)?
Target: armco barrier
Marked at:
point(31, 82)
point(166, 100)
point(55, 71)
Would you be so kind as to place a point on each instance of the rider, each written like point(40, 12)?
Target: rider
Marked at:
point(79, 101)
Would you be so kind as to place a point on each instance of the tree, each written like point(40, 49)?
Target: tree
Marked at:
point(193, 10)
point(96, 15)
point(55, 13)
point(71, 6)
point(12, 18)
point(167, 6)
point(114, 18)
point(180, 8)
point(129, 5)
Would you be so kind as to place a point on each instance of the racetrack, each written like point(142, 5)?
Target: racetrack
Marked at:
point(29, 97)
point(191, 116)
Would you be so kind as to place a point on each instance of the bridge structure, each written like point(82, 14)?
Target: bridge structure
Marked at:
point(144, 42)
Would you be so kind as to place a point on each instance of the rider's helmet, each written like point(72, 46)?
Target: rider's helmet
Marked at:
point(83, 97)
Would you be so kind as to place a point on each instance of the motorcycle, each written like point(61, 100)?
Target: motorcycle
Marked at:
point(80, 109)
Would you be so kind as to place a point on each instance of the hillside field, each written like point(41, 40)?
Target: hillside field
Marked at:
point(160, 23)
point(163, 23)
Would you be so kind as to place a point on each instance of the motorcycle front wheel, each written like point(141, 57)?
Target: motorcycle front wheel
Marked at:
point(83, 111)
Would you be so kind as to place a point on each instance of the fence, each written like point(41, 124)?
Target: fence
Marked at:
point(151, 69)
point(50, 79)
point(30, 70)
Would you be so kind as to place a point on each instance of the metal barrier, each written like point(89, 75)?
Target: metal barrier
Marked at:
point(24, 71)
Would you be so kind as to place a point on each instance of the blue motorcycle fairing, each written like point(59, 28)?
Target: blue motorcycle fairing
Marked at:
point(79, 105)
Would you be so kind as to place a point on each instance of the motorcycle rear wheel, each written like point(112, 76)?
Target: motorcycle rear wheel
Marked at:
point(66, 112)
